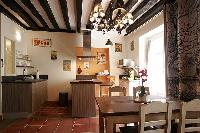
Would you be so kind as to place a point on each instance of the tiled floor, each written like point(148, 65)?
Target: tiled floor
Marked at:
point(51, 119)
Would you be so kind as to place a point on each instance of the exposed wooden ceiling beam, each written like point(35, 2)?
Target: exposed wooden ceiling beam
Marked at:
point(12, 17)
point(47, 9)
point(141, 9)
point(140, 6)
point(53, 30)
point(130, 4)
point(78, 14)
point(34, 11)
point(88, 25)
point(13, 5)
point(146, 16)
point(63, 5)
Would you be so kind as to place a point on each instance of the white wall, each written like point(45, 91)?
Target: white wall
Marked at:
point(8, 30)
point(134, 36)
point(65, 44)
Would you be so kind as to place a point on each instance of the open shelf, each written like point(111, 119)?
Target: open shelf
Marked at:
point(23, 59)
point(26, 66)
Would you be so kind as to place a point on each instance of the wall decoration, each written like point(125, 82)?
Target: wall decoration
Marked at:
point(53, 55)
point(118, 47)
point(66, 65)
point(101, 58)
point(42, 42)
point(86, 65)
point(132, 45)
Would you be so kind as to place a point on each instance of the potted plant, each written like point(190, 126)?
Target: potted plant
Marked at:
point(143, 76)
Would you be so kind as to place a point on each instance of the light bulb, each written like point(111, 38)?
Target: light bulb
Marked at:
point(92, 19)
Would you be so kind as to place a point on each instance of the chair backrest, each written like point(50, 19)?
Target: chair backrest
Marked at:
point(137, 89)
point(154, 109)
point(117, 89)
point(192, 106)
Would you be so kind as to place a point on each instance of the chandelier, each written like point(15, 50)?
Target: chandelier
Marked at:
point(119, 19)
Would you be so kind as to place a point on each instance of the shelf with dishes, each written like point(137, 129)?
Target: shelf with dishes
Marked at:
point(23, 61)
point(25, 66)
point(26, 59)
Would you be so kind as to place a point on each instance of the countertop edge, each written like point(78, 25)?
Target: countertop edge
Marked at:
point(25, 81)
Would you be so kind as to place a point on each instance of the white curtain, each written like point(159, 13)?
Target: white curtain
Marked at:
point(156, 65)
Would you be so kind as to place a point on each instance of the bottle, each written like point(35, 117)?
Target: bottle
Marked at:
point(37, 75)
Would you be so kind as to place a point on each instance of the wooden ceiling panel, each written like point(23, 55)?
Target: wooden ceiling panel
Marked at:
point(13, 15)
point(65, 15)
point(42, 12)
point(63, 6)
point(47, 9)
point(57, 13)
point(29, 12)
point(12, 4)
point(78, 14)
point(28, 5)
point(71, 13)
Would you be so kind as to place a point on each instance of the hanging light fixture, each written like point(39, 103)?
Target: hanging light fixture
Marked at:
point(109, 42)
point(119, 19)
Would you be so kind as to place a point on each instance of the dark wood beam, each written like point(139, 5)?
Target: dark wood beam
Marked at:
point(34, 11)
point(146, 16)
point(12, 17)
point(145, 8)
point(140, 6)
point(141, 9)
point(47, 9)
point(13, 5)
point(78, 14)
point(63, 5)
point(128, 6)
point(53, 30)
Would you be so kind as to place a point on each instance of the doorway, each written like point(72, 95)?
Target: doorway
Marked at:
point(9, 57)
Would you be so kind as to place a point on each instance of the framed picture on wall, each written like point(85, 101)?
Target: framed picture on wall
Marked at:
point(53, 55)
point(101, 58)
point(118, 47)
point(66, 65)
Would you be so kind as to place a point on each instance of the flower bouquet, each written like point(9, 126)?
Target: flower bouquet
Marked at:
point(143, 76)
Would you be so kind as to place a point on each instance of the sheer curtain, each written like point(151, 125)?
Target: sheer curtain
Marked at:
point(156, 65)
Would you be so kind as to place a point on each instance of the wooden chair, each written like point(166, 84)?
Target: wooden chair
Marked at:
point(136, 90)
point(117, 89)
point(192, 106)
point(152, 120)
point(156, 108)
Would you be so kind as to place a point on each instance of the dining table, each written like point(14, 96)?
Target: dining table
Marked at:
point(125, 109)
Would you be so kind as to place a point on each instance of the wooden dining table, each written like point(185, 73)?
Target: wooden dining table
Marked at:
point(125, 109)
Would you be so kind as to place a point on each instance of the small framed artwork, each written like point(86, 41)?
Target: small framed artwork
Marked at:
point(86, 65)
point(53, 55)
point(101, 58)
point(42, 42)
point(118, 47)
point(66, 65)
point(132, 46)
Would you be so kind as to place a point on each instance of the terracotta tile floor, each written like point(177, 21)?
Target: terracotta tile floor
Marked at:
point(51, 118)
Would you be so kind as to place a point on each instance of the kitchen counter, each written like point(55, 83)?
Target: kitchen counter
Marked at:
point(86, 81)
point(83, 97)
point(22, 97)
point(24, 81)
